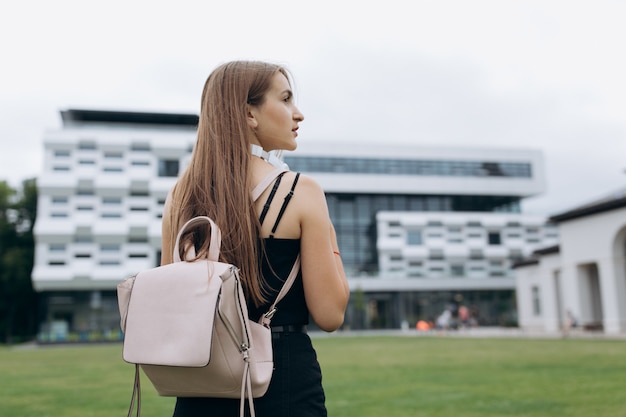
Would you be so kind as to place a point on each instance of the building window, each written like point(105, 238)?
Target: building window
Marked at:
point(536, 301)
point(56, 247)
point(61, 169)
point(140, 163)
point(140, 147)
point(62, 154)
point(457, 270)
point(58, 215)
point(168, 167)
point(112, 169)
point(109, 248)
point(111, 200)
point(494, 238)
point(83, 239)
point(59, 200)
point(410, 167)
point(87, 146)
point(111, 215)
point(414, 237)
point(86, 162)
point(436, 254)
point(113, 155)
point(139, 193)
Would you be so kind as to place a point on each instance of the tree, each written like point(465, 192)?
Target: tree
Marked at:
point(18, 300)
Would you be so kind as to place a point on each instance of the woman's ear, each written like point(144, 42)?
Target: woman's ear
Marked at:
point(251, 119)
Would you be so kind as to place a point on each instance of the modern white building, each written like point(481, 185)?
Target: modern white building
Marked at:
point(584, 275)
point(419, 227)
point(101, 195)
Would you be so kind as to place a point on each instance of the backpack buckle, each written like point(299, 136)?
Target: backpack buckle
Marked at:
point(270, 313)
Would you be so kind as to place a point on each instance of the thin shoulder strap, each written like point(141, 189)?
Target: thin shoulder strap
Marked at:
point(270, 198)
point(284, 206)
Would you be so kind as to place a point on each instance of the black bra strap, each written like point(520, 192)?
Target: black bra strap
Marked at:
point(284, 206)
point(266, 207)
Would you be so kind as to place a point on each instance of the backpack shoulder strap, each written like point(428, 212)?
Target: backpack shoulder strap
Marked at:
point(267, 317)
point(265, 182)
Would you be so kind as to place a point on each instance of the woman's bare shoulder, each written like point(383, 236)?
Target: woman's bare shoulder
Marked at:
point(306, 182)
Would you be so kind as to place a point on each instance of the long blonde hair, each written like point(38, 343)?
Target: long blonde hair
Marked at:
point(217, 182)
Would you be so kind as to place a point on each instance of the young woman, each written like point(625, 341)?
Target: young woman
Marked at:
point(245, 105)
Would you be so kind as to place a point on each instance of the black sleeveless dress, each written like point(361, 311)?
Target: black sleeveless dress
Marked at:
point(296, 386)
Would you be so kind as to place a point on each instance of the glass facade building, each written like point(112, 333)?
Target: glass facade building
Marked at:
point(354, 214)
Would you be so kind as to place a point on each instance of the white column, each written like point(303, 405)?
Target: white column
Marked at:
point(613, 289)
point(548, 299)
point(570, 285)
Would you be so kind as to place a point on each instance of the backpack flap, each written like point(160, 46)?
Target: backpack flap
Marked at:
point(170, 313)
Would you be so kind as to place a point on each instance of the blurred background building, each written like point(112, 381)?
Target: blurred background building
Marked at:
point(422, 230)
point(580, 283)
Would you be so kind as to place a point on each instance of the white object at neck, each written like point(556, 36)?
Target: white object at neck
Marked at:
point(269, 157)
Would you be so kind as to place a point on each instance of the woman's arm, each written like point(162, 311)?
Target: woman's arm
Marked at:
point(325, 285)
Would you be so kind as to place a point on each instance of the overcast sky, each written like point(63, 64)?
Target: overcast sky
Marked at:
point(547, 75)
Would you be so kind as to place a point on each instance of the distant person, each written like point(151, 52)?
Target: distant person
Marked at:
point(464, 317)
point(443, 321)
point(569, 324)
point(247, 111)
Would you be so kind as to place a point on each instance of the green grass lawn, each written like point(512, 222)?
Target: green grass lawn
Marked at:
point(363, 376)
